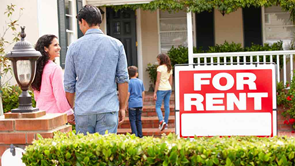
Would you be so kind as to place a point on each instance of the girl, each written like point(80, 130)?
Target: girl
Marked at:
point(48, 84)
point(163, 89)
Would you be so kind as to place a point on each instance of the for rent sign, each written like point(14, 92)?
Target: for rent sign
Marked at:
point(225, 100)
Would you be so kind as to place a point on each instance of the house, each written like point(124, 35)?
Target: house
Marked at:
point(146, 33)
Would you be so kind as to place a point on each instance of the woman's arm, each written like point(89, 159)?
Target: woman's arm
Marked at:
point(59, 92)
point(157, 84)
point(171, 80)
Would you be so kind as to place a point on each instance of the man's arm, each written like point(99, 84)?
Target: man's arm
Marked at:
point(70, 77)
point(71, 98)
point(123, 97)
point(122, 79)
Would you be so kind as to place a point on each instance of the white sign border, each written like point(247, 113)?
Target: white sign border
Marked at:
point(191, 67)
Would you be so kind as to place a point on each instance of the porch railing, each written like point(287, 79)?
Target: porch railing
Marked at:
point(284, 59)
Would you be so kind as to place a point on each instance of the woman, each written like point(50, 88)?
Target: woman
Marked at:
point(163, 89)
point(48, 84)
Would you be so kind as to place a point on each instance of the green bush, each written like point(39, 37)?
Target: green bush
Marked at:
point(94, 149)
point(10, 96)
point(180, 55)
point(285, 98)
point(152, 70)
point(226, 47)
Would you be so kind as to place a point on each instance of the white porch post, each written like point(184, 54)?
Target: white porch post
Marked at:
point(1, 106)
point(190, 38)
point(139, 44)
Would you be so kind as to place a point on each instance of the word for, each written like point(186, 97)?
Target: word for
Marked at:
point(223, 101)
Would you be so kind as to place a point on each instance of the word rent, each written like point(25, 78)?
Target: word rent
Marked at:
point(223, 100)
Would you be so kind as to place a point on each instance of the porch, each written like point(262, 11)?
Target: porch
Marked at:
point(157, 31)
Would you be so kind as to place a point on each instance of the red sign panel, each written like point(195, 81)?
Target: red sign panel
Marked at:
point(225, 98)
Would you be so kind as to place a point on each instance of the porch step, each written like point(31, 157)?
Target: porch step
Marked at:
point(148, 122)
point(149, 118)
point(149, 131)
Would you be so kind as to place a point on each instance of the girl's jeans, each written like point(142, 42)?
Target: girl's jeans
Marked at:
point(163, 95)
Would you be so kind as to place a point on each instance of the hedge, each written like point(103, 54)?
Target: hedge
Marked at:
point(110, 149)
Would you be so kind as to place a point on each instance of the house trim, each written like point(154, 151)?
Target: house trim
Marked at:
point(116, 2)
point(159, 34)
point(263, 23)
point(105, 20)
point(139, 44)
point(194, 30)
point(189, 38)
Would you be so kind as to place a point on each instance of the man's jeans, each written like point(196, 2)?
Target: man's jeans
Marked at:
point(135, 121)
point(97, 123)
point(163, 95)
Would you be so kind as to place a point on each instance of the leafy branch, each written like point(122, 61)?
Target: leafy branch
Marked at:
point(11, 26)
point(224, 6)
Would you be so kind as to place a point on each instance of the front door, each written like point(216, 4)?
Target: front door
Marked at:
point(122, 26)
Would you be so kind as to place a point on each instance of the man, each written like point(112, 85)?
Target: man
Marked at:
point(95, 63)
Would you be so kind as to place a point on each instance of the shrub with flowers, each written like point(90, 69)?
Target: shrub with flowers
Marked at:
point(285, 98)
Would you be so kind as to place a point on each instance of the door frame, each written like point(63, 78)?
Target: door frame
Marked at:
point(138, 38)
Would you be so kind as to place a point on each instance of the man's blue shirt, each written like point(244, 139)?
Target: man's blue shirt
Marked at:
point(95, 63)
point(135, 89)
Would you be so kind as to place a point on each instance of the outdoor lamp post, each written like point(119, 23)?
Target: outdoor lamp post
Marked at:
point(24, 60)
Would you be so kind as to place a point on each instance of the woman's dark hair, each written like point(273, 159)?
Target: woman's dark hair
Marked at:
point(90, 14)
point(165, 60)
point(42, 42)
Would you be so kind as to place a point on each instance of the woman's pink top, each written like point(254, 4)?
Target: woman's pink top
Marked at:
point(51, 96)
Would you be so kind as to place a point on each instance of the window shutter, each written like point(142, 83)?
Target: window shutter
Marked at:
point(79, 7)
point(62, 31)
point(252, 26)
point(205, 29)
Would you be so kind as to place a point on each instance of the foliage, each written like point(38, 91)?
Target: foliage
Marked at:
point(180, 55)
point(111, 149)
point(152, 70)
point(10, 27)
point(285, 98)
point(224, 6)
point(10, 97)
point(226, 47)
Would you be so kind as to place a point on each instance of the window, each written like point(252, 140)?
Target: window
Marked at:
point(205, 30)
point(172, 30)
point(252, 26)
point(67, 26)
point(278, 25)
point(70, 20)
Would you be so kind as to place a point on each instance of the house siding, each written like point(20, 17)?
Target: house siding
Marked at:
point(229, 27)
point(29, 19)
point(150, 43)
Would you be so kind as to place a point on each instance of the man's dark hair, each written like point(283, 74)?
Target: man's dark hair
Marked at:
point(90, 14)
point(132, 70)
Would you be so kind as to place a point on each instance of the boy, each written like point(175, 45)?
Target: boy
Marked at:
point(135, 101)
